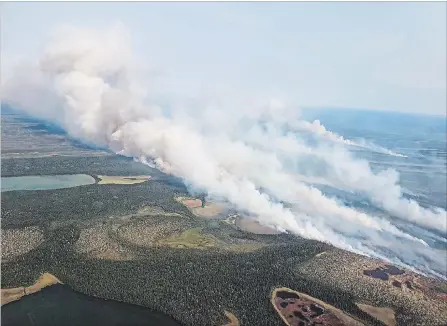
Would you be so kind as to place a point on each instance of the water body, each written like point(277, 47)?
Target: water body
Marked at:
point(60, 305)
point(45, 182)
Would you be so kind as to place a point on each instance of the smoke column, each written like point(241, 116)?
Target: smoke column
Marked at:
point(320, 130)
point(86, 82)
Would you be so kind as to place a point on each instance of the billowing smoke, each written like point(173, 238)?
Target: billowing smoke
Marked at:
point(251, 155)
point(320, 130)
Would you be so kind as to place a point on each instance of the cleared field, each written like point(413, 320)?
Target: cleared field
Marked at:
point(208, 210)
point(122, 180)
point(253, 226)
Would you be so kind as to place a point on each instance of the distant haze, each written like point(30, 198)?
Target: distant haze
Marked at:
point(374, 55)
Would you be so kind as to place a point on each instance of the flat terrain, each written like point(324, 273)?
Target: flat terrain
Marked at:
point(137, 243)
point(26, 137)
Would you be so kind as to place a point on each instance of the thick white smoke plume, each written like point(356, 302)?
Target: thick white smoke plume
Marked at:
point(85, 82)
point(320, 130)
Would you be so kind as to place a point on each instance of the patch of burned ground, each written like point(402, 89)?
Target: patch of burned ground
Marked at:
point(346, 271)
point(300, 309)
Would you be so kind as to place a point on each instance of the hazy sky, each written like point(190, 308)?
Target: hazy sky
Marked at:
point(389, 56)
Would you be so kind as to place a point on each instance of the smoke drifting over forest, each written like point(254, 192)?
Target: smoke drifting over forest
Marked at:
point(254, 157)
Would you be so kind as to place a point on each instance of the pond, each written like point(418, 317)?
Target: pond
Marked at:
point(60, 305)
point(45, 182)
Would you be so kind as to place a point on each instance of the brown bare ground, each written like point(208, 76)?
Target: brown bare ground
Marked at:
point(10, 295)
point(195, 206)
point(192, 203)
point(122, 180)
point(385, 315)
point(210, 210)
point(254, 227)
point(13, 294)
point(233, 319)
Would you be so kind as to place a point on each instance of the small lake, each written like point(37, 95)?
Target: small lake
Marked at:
point(45, 182)
point(60, 305)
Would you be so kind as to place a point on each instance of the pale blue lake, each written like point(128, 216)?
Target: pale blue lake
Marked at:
point(45, 182)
